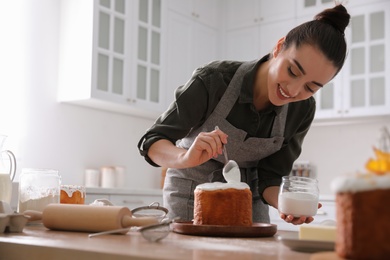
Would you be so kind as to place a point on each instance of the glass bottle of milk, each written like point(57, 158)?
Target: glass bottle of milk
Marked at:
point(298, 196)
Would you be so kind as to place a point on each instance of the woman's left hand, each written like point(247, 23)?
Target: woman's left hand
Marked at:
point(298, 220)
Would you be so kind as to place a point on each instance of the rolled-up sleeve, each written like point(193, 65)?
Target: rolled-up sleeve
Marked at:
point(193, 104)
point(177, 121)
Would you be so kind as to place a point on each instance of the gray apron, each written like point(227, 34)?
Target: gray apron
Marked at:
point(179, 186)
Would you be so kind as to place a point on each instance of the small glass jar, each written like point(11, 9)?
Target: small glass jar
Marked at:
point(298, 196)
point(72, 194)
point(38, 188)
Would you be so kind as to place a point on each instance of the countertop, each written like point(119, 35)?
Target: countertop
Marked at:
point(37, 242)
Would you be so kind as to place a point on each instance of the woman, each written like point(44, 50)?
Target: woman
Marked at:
point(263, 109)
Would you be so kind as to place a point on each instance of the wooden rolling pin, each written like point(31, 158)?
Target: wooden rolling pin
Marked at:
point(87, 218)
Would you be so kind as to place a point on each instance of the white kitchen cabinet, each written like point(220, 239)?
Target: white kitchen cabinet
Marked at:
point(147, 92)
point(242, 13)
point(251, 12)
point(254, 42)
point(329, 100)
point(110, 55)
point(130, 56)
point(189, 44)
point(243, 44)
point(312, 7)
point(367, 67)
point(255, 26)
point(202, 11)
point(270, 33)
point(361, 88)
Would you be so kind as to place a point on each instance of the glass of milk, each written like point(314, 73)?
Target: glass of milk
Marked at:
point(7, 172)
point(298, 196)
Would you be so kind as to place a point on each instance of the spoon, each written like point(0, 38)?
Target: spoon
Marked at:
point(231, 171)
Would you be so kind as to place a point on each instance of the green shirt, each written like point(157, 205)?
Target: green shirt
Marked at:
point(196, 100)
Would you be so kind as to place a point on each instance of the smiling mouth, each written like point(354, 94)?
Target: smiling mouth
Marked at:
point(283, 93)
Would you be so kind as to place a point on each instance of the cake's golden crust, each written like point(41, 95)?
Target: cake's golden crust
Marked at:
point(231, 207)
point(363, 224)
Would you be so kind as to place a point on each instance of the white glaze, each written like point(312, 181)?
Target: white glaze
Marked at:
point(231, 172)
point(298, 204)
point(70, 189)
point(360, 182)
point(222, 186)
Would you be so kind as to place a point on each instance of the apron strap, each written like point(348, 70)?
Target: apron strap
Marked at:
point(233, 91)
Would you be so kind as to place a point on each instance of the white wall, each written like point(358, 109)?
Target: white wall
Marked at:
point(336, 149)
point(48, 134)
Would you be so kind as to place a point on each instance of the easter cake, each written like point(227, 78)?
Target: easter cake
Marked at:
point(362, 213)
point(220, 203)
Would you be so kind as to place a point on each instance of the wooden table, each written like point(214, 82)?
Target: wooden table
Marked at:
point(37, 242)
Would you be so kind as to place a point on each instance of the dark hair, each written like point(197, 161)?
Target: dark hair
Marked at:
point(326, 32)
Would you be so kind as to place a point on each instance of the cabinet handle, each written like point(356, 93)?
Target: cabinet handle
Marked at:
point(130, 100)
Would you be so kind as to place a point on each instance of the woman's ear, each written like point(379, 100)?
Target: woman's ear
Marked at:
point(278, 47)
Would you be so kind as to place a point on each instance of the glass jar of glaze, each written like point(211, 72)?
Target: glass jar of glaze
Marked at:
point(298, 196)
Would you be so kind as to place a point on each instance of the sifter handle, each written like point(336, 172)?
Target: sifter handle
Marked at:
point(128, 221)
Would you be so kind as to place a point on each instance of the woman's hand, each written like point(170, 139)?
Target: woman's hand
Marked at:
point(207, 145)
point(297, 220)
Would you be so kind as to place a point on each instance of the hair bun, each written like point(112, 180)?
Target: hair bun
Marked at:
point(337, 17)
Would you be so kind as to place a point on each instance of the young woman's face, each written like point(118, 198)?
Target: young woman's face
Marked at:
point(296, 74)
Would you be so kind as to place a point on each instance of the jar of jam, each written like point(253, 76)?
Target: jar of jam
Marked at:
point(72, 194)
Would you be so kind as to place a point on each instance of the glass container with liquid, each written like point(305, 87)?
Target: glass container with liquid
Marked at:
point(7, 171)
point(298, 196)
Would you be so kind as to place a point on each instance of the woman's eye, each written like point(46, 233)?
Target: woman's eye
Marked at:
point(309, 89)
point(291, 72)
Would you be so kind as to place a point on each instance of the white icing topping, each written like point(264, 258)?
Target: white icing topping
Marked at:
point(70, 189)
point(222, 186)
point(360, 182)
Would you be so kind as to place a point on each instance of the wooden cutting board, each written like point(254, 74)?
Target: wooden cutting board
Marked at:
point(256, 230)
